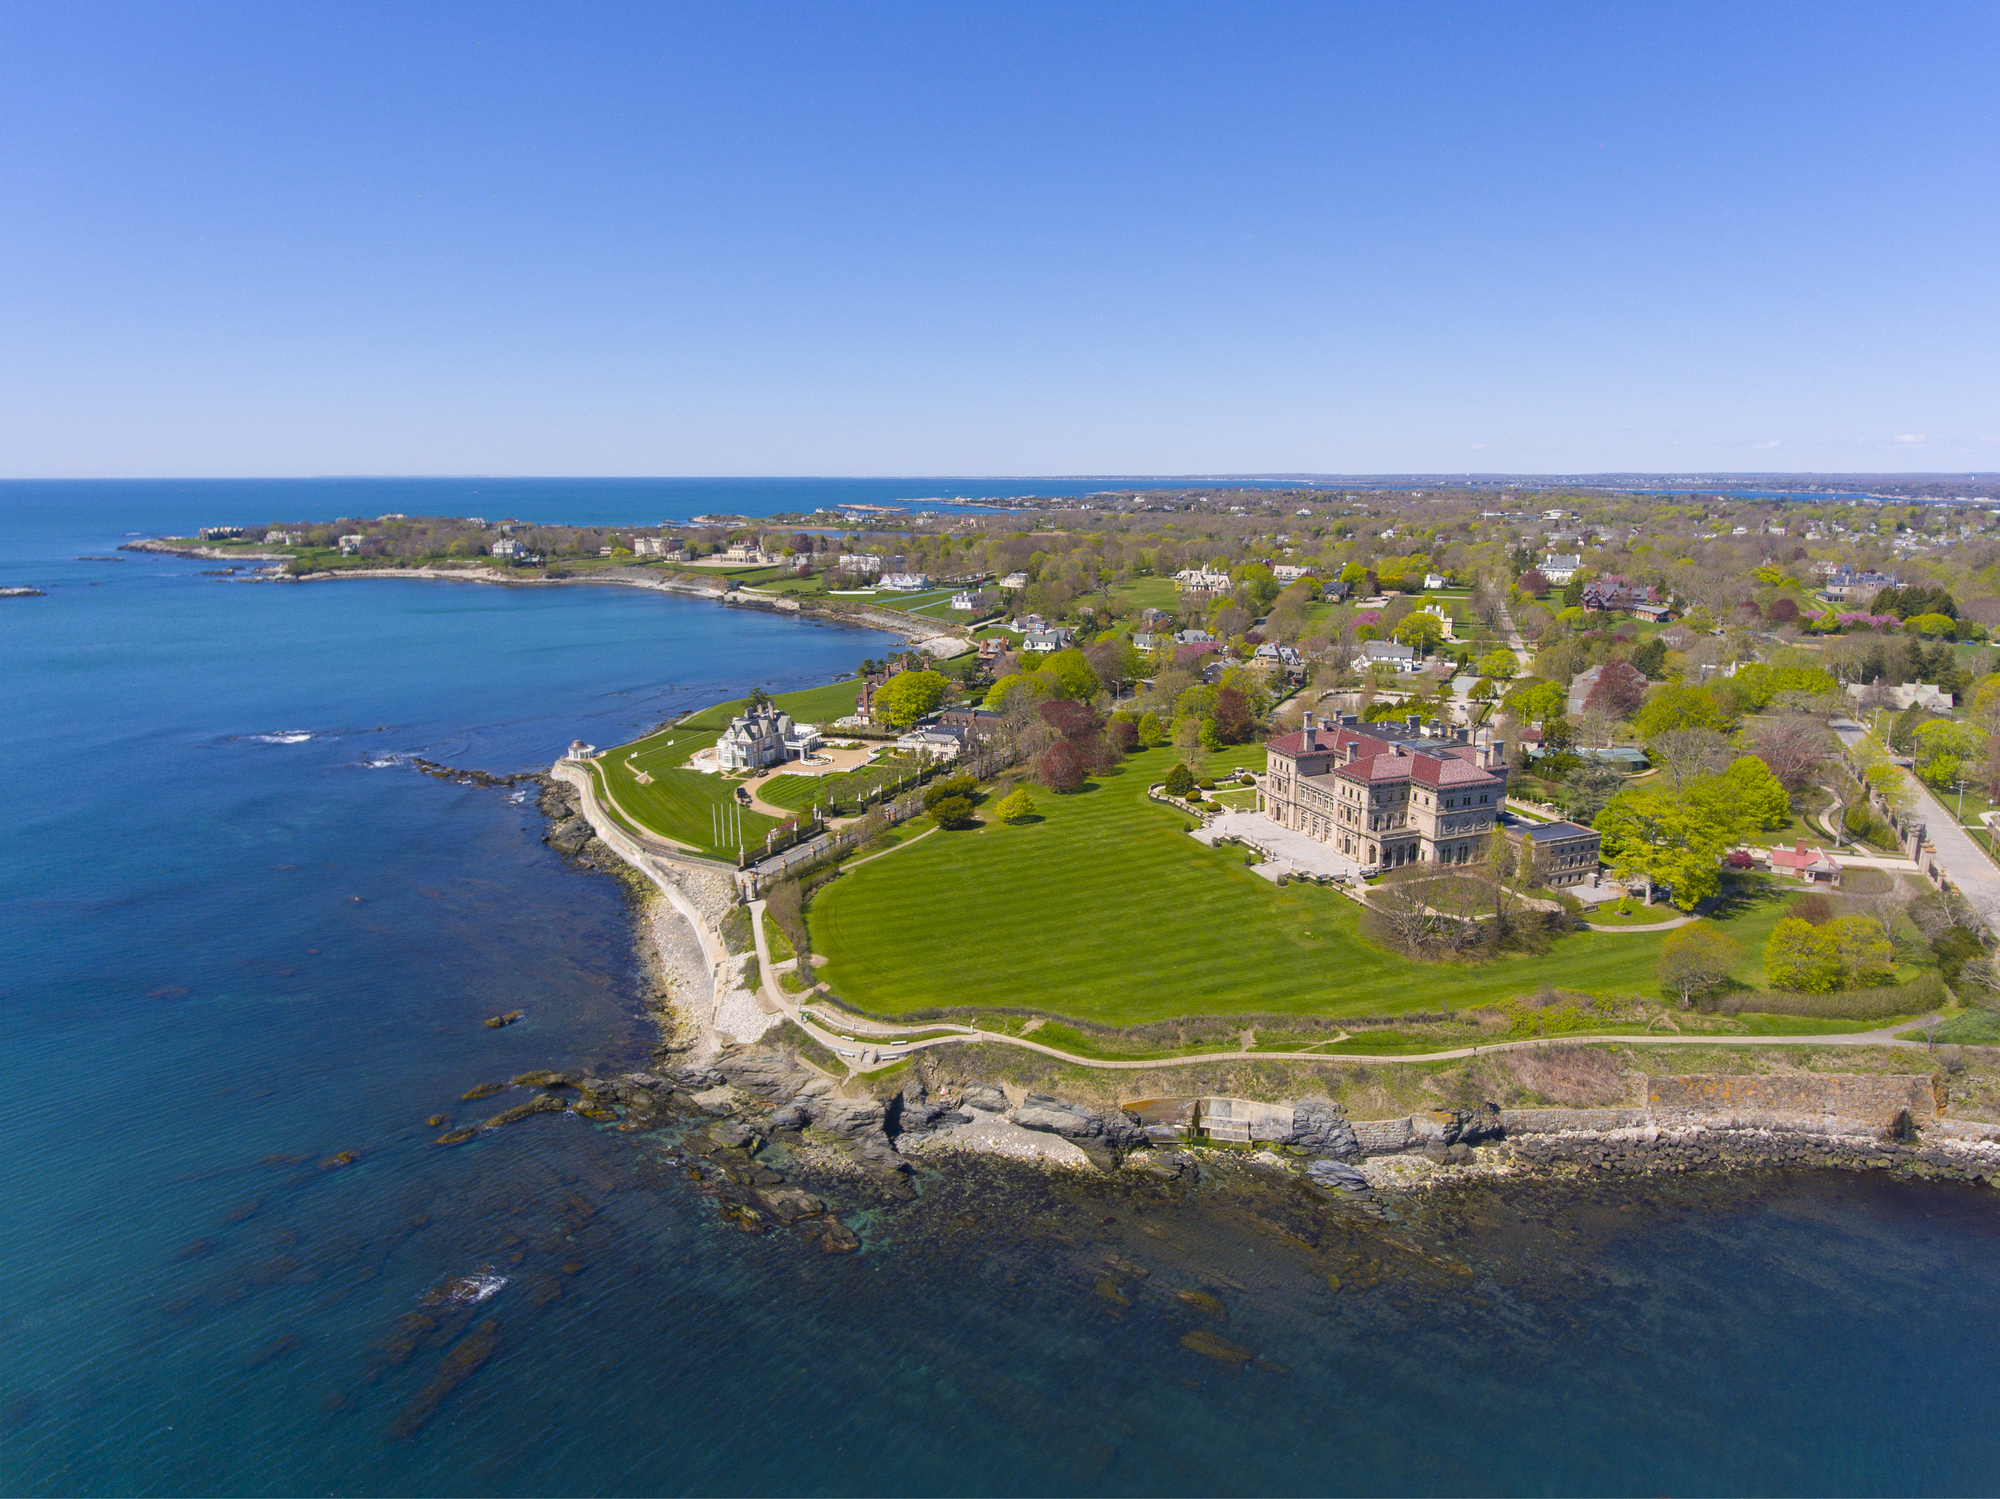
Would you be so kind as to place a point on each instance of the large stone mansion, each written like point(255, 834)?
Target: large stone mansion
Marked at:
point(764, 736)
point(1386, 796)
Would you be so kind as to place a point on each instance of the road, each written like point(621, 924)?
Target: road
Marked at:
point(1514, 640)
point(1963, 860)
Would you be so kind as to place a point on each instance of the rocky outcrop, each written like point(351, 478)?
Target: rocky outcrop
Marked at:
point(1320, 1128)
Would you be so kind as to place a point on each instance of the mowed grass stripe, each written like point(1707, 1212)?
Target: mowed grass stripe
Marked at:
point(1106, 911)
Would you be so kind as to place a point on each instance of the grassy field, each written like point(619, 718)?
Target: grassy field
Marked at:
point(676, 802)
point(1134, 594)
point(1104, 910)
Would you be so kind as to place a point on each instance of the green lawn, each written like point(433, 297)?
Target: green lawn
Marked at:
point(1134, 594)
point(1105, 910)
point(677, 802)
point(820, 705)
point(845, 789)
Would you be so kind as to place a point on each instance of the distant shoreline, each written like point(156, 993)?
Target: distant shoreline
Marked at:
point(924, 634)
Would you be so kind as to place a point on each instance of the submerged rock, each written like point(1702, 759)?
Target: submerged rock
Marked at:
point(455, 1137)
point(1208, 1345)
point(1204, 1303)
point(484, 1090)
point(789, 1204)
point(546, 1103)
point(459, 1365)
point(544, 1080)
point(838, 1238)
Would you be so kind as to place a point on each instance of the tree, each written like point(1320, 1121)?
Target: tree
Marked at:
point(1794, 749)
point(1123, 734)
point(908, 696)
point(1685, 755)
point(1942, 748)
point(1680, 706)
point(1620, 691)
point(1759, 800)
point(1423, 630)
point(1072, 673)
point(1802, 957)
point(1866, 956)
point(1668, 837)
point(1588, 789)
point(1499, 665)
point(1015, 806)
point(1694, 959)
point(1532, 582)
point(1060, 767)
point(1152, 734)
point(1180, 780)
point(1537, 702)
point(1650, 657)
point(1232, 720)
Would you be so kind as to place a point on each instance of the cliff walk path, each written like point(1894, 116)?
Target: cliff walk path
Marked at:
point(869, 1045)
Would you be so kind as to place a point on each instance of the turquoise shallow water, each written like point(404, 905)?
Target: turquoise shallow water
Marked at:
point(228, 952)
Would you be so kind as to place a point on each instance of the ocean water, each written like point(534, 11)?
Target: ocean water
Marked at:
point(240, 937)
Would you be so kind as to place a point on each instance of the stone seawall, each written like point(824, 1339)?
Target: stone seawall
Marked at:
point(1871, 1102)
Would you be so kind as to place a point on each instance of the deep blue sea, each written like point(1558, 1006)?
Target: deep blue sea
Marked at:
point(240, 936)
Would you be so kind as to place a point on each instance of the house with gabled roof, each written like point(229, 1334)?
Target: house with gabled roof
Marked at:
point(1386, 795)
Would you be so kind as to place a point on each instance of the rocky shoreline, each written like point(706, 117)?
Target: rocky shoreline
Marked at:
point(748, 1119)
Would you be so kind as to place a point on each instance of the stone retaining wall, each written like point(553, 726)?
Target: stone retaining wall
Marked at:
point(1870, 1102)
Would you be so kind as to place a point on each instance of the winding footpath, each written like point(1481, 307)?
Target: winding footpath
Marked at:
point(880, 1045)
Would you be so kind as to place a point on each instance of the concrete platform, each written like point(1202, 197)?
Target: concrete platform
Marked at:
point(1287, 851)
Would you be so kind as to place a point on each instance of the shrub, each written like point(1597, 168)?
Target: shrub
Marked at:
point(1925, 993)
point(960, 787)
point(1207, 783)
point(1846, 952)
point(952, 811)
point(1015, 806)
point(1574, 1076)
point(1180, 781)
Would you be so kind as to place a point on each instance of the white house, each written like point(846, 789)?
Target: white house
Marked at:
point(939, 743)
point(1047, 640)
point(860, 562)
point(1201, 579)
point(1014, 580)
point(1287, 572)
point(764, 737)
point(284, 538)
point(1433, 580)
point(351, 546)
point(1390, 653)
point(903, 582)
point(962, 600)
point(753, 555)
point(1560, 567)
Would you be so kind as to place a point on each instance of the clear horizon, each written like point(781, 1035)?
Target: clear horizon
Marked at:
point(1136, 242)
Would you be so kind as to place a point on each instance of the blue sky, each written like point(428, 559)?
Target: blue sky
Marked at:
point(998, 239)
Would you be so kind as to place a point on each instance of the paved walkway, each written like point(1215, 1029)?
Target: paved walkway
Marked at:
point(1962, 859)
point(1288, 850)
